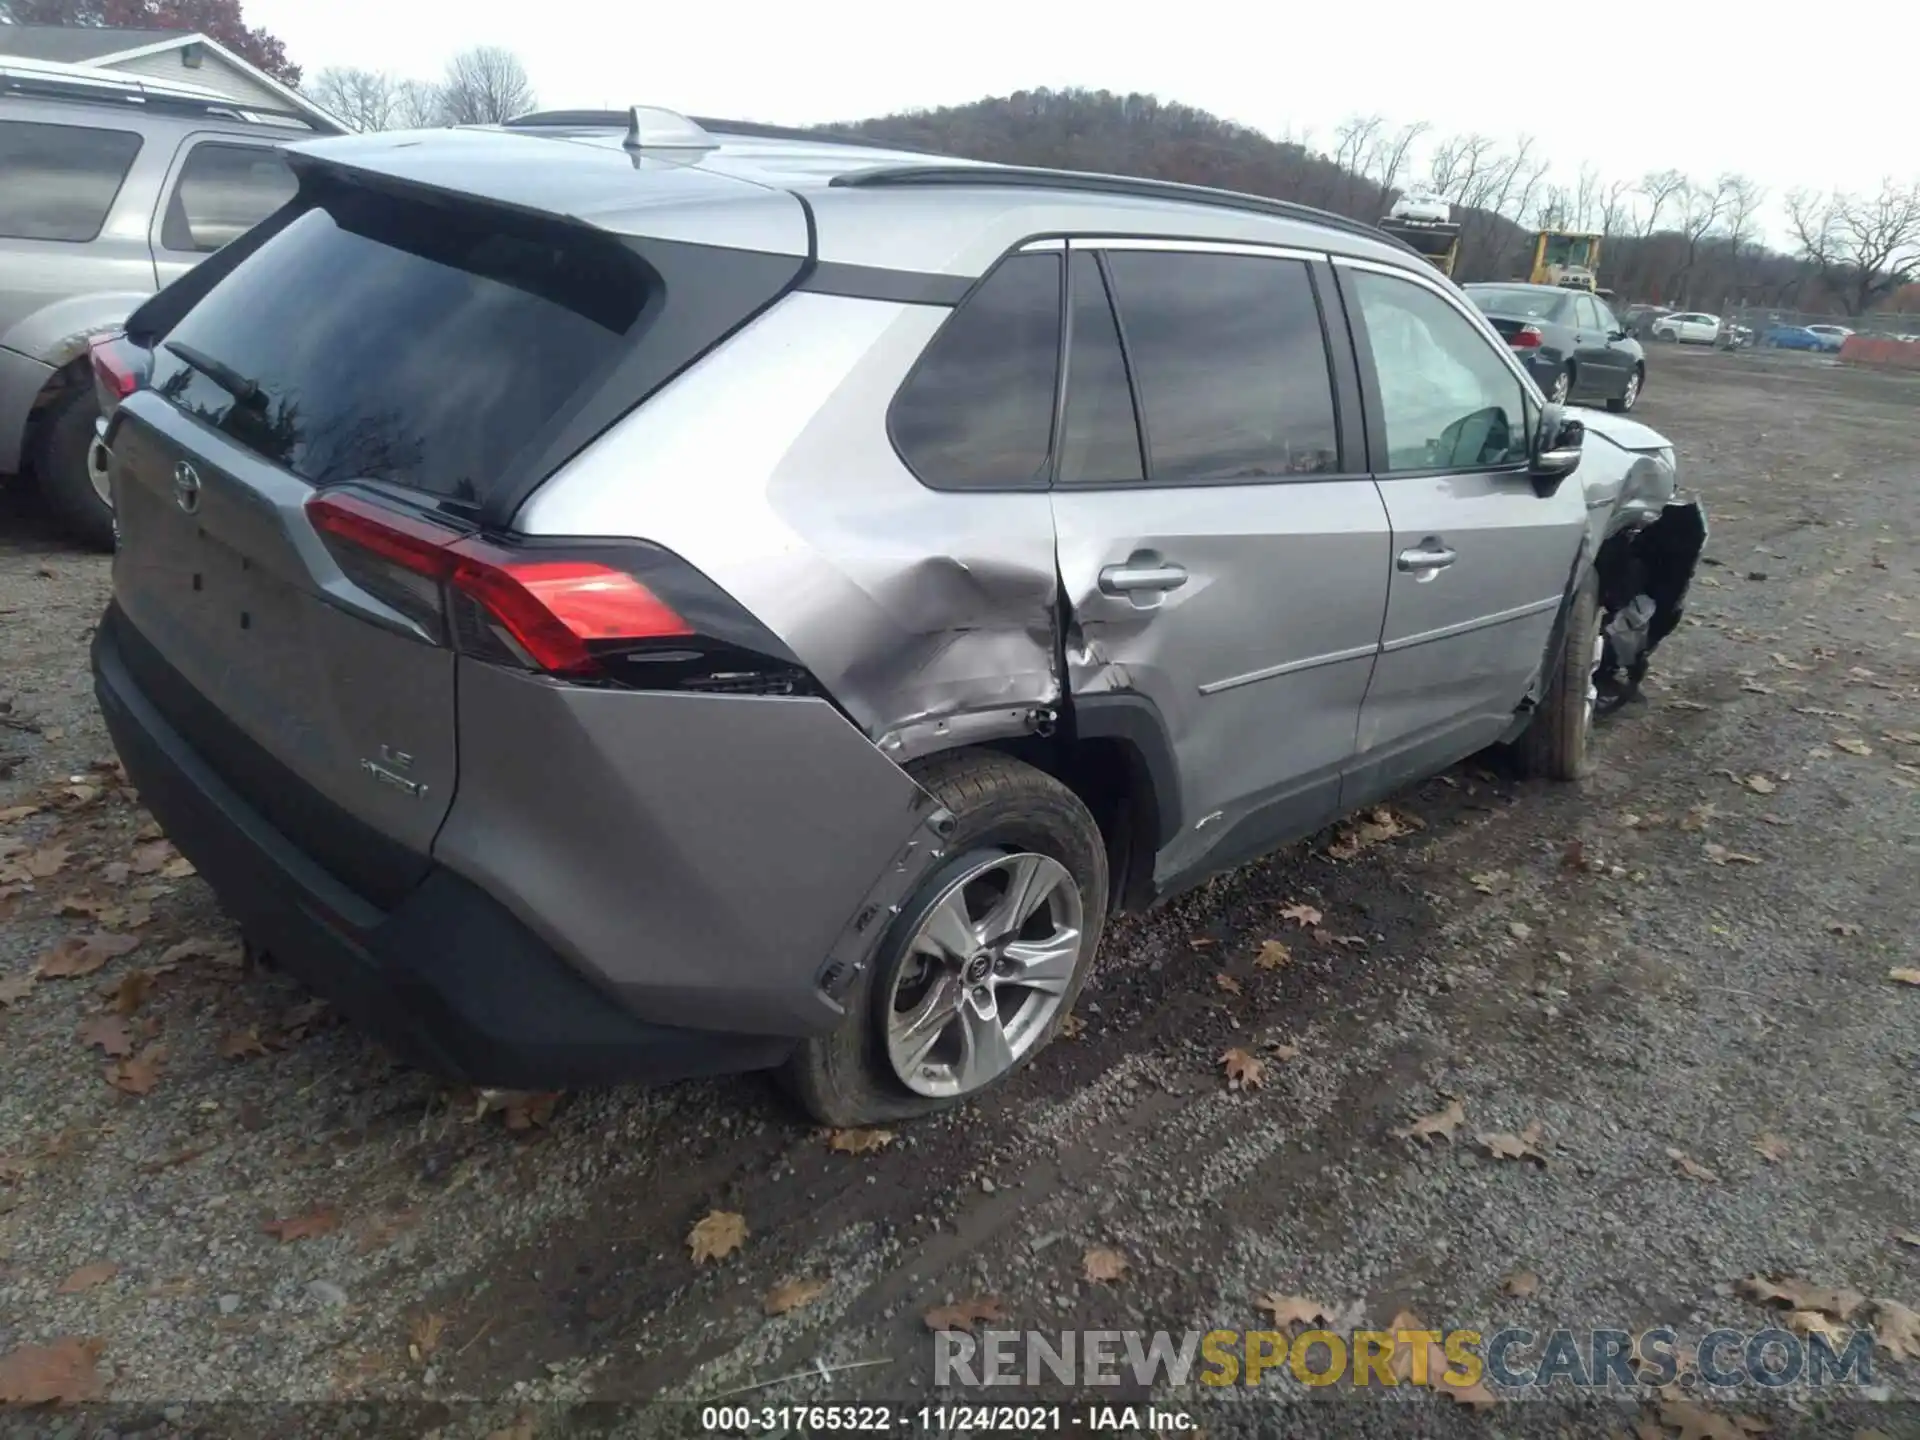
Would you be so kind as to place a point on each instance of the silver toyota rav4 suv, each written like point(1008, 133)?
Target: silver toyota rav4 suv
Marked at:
point(110, 186)
point(622, 597)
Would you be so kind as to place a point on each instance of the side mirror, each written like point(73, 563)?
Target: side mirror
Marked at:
point(1620, 335)
point(1556, 450)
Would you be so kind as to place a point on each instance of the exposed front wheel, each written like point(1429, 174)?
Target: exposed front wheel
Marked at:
point(72, 483)
point(1631, 396)
point(983, 963)
point(1555, 744)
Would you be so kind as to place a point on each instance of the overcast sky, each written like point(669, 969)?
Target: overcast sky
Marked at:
point(1704, 86)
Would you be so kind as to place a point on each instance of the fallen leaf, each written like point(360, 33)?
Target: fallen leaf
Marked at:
point(47, 862)
point(1273, 954)
point(716, 1236)
point(62, 1373)
point(12, 813)
point(423, 1336)
point(1227, 983)
point(1473, 1396)
point(1690, 1167)
point(1698, 817)
point(178, 868)
point(792, 1295)
point(1903, 737)
point(1793, 1294)
point(88, 1276)
point(1896, 1329)
point(1520, 1284)
point(1377, 826)
point(1852, 745)
point(1721, 855)
point(131, 993)
point(1812, 1322)
point(111, 1033)
point(1842, 927)
point(239, 1044)
point(84, 954)
point(1759, 784)
point(1288, 1311)
point(200, 947)
point(1687, 704)
point(138, 1075)
point(382, 1231)
point(1904, 975)
point(858, 1142)
point(1772, 1148)
point(1438, 1126)
point(1072, 1027)
point(1304, 916)
point(1524, 1146)
point(310, 1226)
point(1104, 1266)
point(1201, 942)
point(1909, 1237)
point(1281, 1050)
point(15, 988)
point(1488, 881)
point(1783, 662)
point(1519, 929)
point(147, 859)
point(965, 1314)
point(1696, 1422)
point(1244, 1071)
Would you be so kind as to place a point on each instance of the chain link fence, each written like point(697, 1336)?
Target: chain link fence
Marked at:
point(1885, 324)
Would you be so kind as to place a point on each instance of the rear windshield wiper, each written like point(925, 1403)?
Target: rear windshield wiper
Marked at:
point(244, 391)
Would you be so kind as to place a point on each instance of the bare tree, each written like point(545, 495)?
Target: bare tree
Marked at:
point(417, 106)
point(1353, 146)
point(1741, 200)
point(1616, 209)
point(1657, 187)
point(1457, 163)
point(1701, 208)
point(1861, 247)
point(484, 86)
point(1391, 157)
point(363, 98)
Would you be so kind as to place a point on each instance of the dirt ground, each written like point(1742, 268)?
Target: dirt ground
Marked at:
point(1688, 956)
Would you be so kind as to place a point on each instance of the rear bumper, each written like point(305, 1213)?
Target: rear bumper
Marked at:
point(448, 976)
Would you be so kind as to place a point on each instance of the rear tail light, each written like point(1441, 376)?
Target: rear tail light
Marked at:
point(119, 369)
point(1527, 337)
point(577, 616)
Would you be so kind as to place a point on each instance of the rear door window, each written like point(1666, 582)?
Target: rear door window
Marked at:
point(976, 413)
point(448, 341)
point(222, 192)
point(57, 182)
point(1230, 363)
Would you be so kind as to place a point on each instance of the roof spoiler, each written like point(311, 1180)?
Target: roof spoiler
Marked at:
point(648, 127)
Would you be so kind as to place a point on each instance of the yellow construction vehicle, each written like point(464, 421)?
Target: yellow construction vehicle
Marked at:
point(1425, 223)
point(1569, 258)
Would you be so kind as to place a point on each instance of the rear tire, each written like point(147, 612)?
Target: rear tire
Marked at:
point(1001, 807)
point(1555, 746)
point(1562, 388)
point(60, 467)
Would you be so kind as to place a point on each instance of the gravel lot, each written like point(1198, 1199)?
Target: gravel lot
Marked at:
point(1691, 954)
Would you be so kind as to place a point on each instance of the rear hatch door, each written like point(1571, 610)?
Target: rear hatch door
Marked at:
point(417, 348)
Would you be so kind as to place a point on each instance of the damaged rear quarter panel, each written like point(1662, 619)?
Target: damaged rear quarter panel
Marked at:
point(929, 616)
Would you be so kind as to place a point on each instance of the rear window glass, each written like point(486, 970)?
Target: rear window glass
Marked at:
point(60, 180)
point(1533, 304)
point(385, 339)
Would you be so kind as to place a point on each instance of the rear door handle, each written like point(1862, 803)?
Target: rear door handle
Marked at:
point(1426, 558)
point(1130, 579)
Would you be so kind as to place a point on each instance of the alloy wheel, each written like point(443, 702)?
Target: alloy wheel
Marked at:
point(984, 974)
point(1632, 396)
point(1562, 387)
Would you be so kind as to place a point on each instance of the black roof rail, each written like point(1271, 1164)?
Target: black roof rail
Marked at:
point(50, 87)
point(1124, 185)
point(579, 119)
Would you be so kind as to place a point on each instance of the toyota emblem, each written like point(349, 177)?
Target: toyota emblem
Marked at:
point(186, 487)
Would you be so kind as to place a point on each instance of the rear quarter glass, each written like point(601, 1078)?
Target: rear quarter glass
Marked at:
point(449, 339)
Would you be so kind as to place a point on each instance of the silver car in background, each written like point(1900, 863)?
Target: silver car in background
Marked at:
point(112, 186)
point(695, 597)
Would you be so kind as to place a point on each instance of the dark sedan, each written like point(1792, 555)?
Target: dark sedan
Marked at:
point(1570, 342)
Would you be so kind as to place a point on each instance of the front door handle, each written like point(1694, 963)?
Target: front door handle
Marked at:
point(1427, 557)
point(1131, 579)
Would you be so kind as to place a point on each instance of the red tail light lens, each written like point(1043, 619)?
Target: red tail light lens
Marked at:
point(117, 372)
point(553, 610)
point(1527, 337)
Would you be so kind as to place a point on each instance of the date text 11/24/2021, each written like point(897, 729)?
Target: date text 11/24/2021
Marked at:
point(744, 1420)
